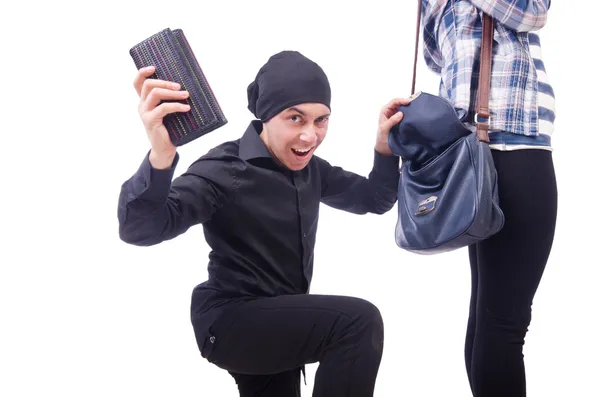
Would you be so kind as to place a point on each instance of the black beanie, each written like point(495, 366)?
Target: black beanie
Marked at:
point(287, 79)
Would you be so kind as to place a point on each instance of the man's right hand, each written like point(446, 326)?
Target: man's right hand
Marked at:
point(152, 92)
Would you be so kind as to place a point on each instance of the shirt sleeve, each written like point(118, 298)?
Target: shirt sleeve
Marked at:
point(153, 207)
point(357, 194)
point(431, 17)
point(518, 15)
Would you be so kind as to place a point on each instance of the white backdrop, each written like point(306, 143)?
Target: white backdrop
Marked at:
point(84, 314)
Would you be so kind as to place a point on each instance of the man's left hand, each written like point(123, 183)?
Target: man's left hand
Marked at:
point(388, 117)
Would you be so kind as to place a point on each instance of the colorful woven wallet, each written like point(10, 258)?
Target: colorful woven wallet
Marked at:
point(170, 53)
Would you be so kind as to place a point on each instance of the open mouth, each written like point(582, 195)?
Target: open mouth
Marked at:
point(301, 153)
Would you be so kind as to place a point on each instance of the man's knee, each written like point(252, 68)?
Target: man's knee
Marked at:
point(366, 311)
point(367, 317)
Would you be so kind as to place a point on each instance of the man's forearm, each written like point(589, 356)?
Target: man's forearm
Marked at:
point(142, 199)
point(357, 194)
point(383, 181)
point(154, 207)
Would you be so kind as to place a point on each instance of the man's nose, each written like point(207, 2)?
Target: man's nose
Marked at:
point(308, 135)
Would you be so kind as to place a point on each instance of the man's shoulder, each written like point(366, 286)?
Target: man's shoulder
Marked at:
point(227, 150)
point(222, 156)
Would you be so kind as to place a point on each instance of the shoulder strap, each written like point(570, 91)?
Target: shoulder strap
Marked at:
point(414, 79)
point(485, 71)
point(485, 66)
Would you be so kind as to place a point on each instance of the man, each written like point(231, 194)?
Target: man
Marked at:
point(258, 200)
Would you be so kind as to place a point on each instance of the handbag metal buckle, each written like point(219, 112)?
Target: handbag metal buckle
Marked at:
point(426, 206)
point(477, 117)
point(414, 96)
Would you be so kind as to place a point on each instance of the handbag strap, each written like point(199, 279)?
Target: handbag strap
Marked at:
point(485, 70)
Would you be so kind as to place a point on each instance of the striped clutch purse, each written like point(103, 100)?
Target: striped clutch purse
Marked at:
point(171, 55)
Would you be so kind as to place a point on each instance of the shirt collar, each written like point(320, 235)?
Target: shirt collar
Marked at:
point(251, 146)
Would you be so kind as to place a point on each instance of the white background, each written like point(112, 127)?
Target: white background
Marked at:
point(84, 314)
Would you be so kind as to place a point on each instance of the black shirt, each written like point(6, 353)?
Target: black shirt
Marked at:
point(259, 219)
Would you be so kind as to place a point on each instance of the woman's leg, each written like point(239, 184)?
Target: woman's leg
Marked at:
point(472, 312)
point(509, 268)
point(266, 337)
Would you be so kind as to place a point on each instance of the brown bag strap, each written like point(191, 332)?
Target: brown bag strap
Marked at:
point(485, 71)
point(414, 80)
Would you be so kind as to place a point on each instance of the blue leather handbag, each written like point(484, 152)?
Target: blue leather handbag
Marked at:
point(448, 191)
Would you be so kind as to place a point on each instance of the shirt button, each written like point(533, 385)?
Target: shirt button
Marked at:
point(305, 235)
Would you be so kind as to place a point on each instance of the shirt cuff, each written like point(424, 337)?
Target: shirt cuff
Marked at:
point(153, 184)
point(386, 166)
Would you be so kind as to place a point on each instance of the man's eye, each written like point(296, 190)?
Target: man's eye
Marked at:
point(295, 118)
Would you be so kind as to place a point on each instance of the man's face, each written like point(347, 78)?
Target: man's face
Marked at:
point(294, 134)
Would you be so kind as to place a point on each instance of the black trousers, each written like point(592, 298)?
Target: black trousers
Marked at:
point(506, 271)
point(264, 343)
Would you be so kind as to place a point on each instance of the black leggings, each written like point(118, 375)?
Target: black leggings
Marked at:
point(506, 271)
point(265, 342)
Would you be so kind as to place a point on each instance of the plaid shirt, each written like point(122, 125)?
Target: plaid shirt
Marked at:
point(452, 36)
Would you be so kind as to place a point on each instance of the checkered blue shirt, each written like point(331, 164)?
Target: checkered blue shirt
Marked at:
point(521, 100)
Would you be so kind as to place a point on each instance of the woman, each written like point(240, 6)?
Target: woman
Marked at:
point(507, 268)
